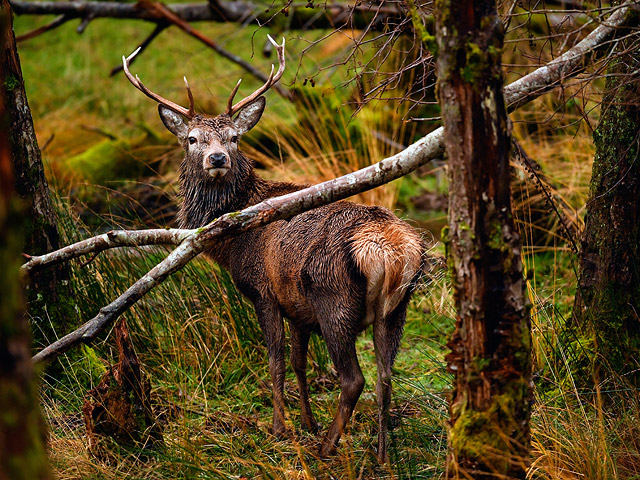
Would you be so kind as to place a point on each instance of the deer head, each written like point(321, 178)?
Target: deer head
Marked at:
point(211, 143)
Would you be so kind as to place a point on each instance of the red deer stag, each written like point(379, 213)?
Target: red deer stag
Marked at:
point(334, 270)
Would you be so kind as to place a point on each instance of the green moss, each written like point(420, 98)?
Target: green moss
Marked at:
point(480, 363)
point(479, 434)
point(11, 82)
point(609, 287)
point(475, 66)
point(445, 235)
point(427, 39)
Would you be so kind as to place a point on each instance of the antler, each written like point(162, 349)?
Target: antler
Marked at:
point(232, 110)
point(189, 113)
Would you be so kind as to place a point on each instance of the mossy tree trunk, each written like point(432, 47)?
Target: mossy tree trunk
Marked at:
point(607, 305)
point(490, 347)
point(50, 296)
point(22, 429)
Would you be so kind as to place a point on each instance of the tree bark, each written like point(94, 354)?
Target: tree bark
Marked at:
point(51, 301)
point(607, 305)
point(490, 347)
point(22, 429)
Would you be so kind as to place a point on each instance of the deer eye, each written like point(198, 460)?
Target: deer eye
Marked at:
point(234, 139)
point(192, 140)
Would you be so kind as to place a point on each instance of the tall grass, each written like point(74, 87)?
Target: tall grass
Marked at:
point(198, 339)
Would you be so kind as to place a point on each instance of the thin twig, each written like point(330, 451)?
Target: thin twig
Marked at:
point(59, 20)
point(141, 48)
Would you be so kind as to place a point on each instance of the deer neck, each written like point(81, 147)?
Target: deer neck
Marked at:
point(205, 199)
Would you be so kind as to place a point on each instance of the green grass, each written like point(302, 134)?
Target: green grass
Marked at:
point(198, 339)
point(202, 349)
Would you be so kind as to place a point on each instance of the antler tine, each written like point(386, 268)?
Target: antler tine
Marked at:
point(192, 108)
point(136, 82)
point(233, 94)
point(231, 110)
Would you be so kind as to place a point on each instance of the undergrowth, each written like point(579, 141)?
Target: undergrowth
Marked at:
point(198, 339)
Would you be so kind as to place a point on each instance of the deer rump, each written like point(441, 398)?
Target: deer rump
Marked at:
point(335, 269)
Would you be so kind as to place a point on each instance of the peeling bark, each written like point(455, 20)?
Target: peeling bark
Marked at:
point(491, 345)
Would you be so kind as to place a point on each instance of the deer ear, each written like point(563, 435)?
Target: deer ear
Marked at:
point(173, 121)
point(249, 115)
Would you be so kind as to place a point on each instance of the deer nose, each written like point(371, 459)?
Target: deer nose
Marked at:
point(218, 160)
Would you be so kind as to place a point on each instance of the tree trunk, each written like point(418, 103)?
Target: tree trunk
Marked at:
point(22, 429)
point(490, 347)
point(50, 295)
point(607, 305)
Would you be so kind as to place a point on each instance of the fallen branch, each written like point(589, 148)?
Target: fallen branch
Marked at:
point(270, 210)
point(284, 207)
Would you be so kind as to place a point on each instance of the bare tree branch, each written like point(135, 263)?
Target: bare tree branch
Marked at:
point(112, 239)
point(299, 16)
point(424, 150)
point(270, 210)
point(164, 12)
point(55, 23)
point(160, 27)
point(566, 65)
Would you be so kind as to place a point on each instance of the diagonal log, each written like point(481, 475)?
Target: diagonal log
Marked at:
point(423, 151)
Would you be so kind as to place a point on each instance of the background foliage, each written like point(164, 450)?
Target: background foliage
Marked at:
point(113, 165)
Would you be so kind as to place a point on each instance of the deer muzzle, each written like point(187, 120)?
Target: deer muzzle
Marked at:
point(216, 164)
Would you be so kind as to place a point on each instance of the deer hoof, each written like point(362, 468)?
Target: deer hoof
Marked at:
point(327, 451)
point(312, 427)
point(280, 432)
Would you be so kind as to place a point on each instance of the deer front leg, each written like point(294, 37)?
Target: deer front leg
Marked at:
point(272, 326)
point(299, 347)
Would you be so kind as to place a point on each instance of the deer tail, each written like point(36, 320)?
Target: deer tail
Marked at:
point(390, 256)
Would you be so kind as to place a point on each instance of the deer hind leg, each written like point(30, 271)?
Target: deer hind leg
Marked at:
point(299, 347)
point(343, 355)
point(272, 326)
point(387, 333)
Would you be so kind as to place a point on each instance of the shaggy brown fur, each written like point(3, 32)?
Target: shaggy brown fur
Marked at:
point(333, 270)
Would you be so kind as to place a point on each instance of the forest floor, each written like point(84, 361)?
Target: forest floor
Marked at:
point(111, 165)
